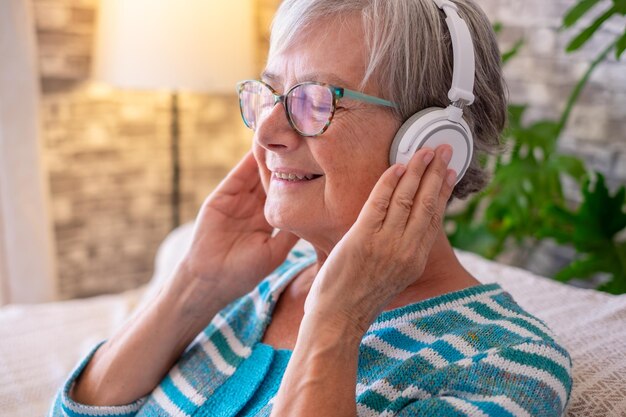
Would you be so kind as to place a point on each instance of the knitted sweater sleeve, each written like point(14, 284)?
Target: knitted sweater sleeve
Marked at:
point(528, 379)
point(64, 406)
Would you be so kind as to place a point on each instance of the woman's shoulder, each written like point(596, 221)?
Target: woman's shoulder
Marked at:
point(484, 307)
point(461, 325)
point(473, 341)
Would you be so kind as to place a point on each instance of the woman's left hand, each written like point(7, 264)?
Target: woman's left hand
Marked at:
point(387, 247)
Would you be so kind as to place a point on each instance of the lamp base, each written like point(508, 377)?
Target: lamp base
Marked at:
point(175, 151)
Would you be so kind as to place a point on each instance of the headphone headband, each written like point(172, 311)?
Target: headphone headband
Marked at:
point(461, 93)
point(436, 126)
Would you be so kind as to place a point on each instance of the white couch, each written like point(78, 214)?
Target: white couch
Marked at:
point(40, 344)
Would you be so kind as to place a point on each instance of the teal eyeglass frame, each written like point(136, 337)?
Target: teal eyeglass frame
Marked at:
point(337, 93)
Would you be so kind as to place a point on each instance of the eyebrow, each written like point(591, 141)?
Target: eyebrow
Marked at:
point(324, 77)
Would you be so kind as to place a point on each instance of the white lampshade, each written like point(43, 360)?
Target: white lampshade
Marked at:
point(195, 45)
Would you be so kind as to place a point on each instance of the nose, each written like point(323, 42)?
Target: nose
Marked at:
point(274, 132)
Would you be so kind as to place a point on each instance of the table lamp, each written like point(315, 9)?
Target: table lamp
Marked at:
point(201, 46)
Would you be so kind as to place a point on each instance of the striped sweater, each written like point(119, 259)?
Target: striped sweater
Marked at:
point(473, 352)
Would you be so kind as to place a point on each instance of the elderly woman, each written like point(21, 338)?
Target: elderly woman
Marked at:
point(378, 317)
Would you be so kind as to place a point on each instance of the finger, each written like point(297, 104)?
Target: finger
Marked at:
point(404, 195)
point(374, 211)
point(244, 177)
point(258, 192)
point(428, 211)
point(434, 228)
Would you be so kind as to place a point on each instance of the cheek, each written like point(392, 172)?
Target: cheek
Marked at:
point(350, 184)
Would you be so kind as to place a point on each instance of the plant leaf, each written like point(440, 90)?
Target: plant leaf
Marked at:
point(599, 219)
point(586, 34)
point(541, 134)
point(580, 268)
point(511, 53)
point(571, 166)
point(477, 239)
point(601, 214)
point(578, 11)
point(620, 5)
point(560, 223)
point(620, 47)
point(515, 117)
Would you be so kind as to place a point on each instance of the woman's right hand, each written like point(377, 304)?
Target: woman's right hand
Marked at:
point(231, 252)
point(232, 247)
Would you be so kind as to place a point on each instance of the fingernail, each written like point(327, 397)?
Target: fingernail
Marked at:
point(429, 157)
point(447, 155)
point(400, 169)
point(451, 178)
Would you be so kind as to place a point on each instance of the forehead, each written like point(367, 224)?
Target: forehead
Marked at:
point(331, 50)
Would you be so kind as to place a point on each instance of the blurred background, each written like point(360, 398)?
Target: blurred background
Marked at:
point(101, 161)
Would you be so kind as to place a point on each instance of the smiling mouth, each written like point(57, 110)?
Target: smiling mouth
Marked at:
point(291, 177)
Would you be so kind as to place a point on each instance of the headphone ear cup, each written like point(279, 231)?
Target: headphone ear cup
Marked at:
point(431, 128)
point(401, 134)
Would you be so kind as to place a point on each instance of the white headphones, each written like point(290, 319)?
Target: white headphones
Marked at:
point(436, 126)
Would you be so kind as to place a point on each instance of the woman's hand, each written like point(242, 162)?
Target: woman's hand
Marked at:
point(232, 248)
point(387, 247)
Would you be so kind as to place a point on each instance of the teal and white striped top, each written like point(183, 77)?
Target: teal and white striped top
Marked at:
point(473, 352)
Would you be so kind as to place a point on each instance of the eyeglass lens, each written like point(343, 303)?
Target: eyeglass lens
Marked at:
point(310, 106)
point(256, 102)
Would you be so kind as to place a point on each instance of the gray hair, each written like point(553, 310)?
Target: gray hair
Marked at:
point(410, 59)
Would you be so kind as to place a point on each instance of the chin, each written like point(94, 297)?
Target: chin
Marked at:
point(281, 220)
point(292, 222)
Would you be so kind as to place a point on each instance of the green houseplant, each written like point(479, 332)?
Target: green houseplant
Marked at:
point(525, 202)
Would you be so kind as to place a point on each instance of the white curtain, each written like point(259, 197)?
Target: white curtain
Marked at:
point(27, 267)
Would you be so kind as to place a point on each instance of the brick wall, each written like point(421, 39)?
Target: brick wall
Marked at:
point(107, 150)
point(543, 76)
point(108, 158)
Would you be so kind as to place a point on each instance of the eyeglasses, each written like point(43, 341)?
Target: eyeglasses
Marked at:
point(310, 106)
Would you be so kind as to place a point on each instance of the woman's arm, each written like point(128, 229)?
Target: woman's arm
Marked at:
point(137, 357)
